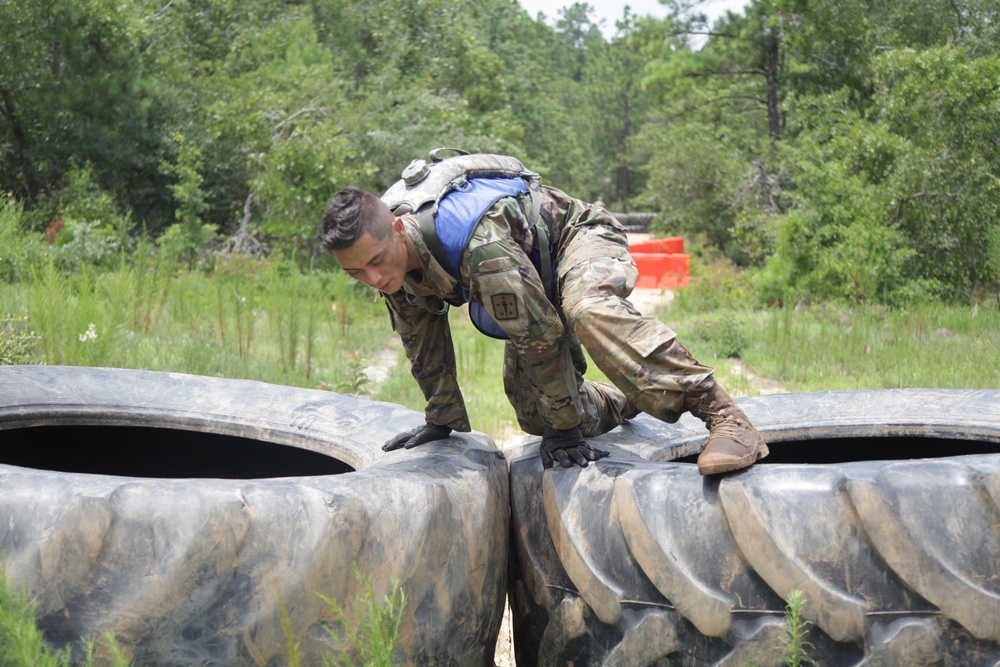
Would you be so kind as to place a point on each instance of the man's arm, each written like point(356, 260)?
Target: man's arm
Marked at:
point(503, 279)
point(422, 324)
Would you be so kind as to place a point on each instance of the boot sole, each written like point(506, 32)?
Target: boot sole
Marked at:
point(716, 467)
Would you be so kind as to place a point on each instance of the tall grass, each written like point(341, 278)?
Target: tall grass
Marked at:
point(22, 643)
point(368, 632)
point(479, 360)
point(794, 646)
point(365, 635)
point(265, 319)
point(928, 345)
point(829, 347)
point(248, 318)
point(826, 346)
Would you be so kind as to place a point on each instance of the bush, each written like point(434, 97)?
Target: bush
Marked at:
point(22, 644)
point(730, 337)
point(716, 283)
point(12, 239)
point(15, 340)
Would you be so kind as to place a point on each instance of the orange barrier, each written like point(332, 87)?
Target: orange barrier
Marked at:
point(662, 263)
point(670, 246)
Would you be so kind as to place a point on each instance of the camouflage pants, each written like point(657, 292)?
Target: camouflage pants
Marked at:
point(650, 370)
point(604, 406)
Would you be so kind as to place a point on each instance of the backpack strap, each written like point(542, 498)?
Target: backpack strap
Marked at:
point(428, 230)
point(544, 255)
point(544, 240)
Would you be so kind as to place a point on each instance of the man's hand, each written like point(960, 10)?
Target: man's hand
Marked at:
point(568, 447)
point(417, 436)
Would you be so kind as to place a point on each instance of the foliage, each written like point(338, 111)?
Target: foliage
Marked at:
point(257, 318)
point(73, 92)
point(368, 633)
point(12, 239)
point(946, 194)
point(825, 346)
point(794, 645)
point(716, 284)
point(358, 377)
point(15, 340)
point(838, 152)
point(189, 236)
point(993, 258)
point(798, 140)
point(22, 643)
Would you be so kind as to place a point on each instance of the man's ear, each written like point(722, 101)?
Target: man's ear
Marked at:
point(397, 225)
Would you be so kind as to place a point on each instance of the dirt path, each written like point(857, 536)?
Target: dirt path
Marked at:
point(764, 385)
point(378, 370)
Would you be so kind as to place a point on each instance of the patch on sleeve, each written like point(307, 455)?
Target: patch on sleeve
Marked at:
point(502, 295)
point(504, 306)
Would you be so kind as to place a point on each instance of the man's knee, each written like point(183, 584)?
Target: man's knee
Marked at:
point(596, 281)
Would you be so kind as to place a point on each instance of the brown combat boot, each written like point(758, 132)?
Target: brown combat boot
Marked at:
point(733, 442)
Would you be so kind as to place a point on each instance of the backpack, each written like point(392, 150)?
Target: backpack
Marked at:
point(484, 178)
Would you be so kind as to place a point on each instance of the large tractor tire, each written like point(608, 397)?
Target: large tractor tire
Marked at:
point(881, 507)
point(180, 513)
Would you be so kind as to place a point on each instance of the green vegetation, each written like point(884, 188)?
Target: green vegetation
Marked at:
point(843, 153)
point(794, 646)
point(23, 645)
point(828, 345)
point(367, 634)
point(241, 317)
point(370, 632)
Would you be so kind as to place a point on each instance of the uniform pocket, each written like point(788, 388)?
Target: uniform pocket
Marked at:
point(650, 336)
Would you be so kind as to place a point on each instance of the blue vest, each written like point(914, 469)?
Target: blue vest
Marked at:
point(458, 213)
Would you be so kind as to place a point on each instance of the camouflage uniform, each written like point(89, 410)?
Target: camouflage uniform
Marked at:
point(543, 365)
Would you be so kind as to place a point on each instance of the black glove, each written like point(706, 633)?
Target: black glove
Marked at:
point(568, 447)
point(417, 436)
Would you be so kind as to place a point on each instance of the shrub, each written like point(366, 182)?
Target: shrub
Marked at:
point(15, 340)
point(12, 239)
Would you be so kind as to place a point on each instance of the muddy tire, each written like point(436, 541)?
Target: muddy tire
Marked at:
point(880, 506)
point(171, 509)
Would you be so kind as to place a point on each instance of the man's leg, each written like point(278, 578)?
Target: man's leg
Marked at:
point(604, 405)
point(642, 356)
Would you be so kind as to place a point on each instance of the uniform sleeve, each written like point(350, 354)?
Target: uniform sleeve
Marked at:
point(503, 280)
point(422, 324)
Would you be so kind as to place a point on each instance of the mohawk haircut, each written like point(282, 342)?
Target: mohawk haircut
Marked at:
point(351, 213)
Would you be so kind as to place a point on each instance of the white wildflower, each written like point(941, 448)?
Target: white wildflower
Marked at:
point(89, 334)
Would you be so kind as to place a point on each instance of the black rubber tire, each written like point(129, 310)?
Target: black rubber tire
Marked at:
point(639, 560)
point(186, 571)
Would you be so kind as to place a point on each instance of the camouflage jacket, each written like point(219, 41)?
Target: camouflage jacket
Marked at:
point(496, 268)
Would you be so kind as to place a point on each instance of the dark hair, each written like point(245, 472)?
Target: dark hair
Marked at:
point(351, 213)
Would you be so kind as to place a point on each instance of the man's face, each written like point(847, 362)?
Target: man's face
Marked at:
point(381, 263)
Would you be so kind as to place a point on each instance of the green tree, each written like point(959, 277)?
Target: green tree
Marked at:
point(715, 141)
point(71, 91)
point(945, 188)
point(617, 106)
point(190, 235)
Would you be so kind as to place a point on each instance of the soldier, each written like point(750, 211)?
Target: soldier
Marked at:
point(548, 273)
